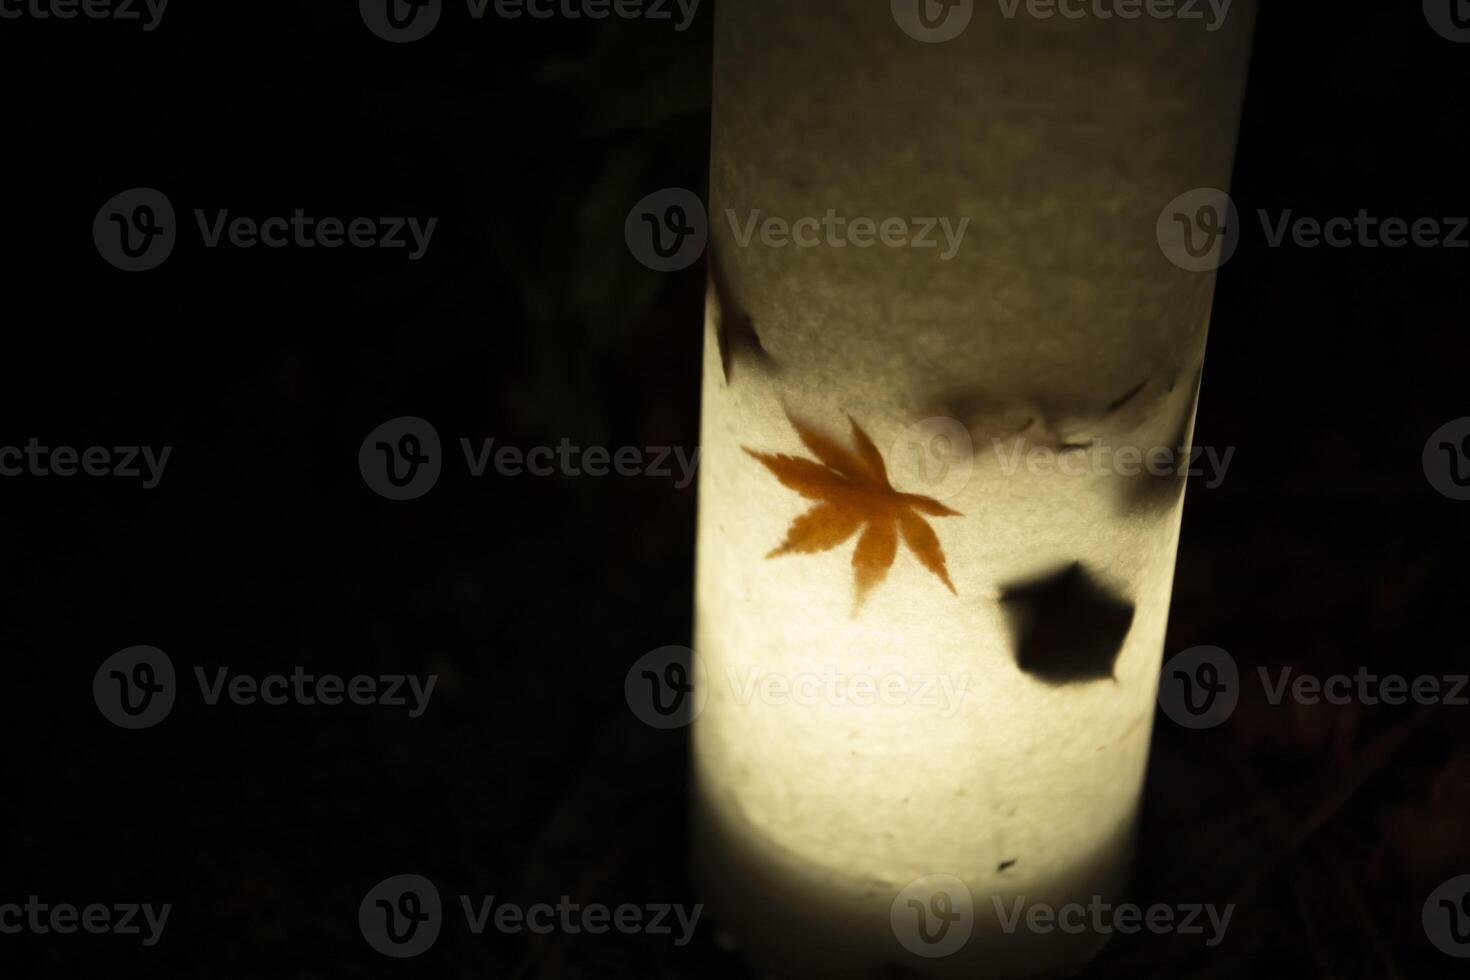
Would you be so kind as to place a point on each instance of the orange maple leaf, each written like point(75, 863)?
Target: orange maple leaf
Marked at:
point(852, 491)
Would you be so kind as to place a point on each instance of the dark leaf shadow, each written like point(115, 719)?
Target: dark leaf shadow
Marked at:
point(735, 333)
point(1067, 628)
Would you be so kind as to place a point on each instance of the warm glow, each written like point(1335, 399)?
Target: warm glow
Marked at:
point(834, 542)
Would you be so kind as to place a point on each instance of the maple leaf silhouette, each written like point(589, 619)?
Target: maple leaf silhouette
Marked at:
point(852, 492)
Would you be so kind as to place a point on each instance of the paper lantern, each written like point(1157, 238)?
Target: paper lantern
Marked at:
point(910, 473)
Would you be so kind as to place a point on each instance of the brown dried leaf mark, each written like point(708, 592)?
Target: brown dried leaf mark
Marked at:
point(851, 492)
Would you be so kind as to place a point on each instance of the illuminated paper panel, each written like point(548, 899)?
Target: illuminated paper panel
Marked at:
point(1056, 322)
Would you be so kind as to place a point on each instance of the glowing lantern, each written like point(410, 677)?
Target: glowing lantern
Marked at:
point(900, 487)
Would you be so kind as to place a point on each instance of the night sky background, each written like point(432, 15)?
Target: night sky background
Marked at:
point(529, 321)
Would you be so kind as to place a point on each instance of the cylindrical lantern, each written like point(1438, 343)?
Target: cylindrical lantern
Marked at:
point(961, 279)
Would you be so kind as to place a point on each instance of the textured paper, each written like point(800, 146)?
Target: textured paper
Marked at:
point(1057, 322)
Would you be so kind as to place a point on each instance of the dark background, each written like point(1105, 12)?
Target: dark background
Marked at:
point(529, 321)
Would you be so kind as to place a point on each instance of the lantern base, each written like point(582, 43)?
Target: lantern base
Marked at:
point(789, 916)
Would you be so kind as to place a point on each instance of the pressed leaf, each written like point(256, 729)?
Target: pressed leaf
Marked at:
point(924, 543)
point(873, 556)
point(870, 454)
point(829, 452)
point(852, 491)
point(822, 528)
point(930, 506)
point(802, 475)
